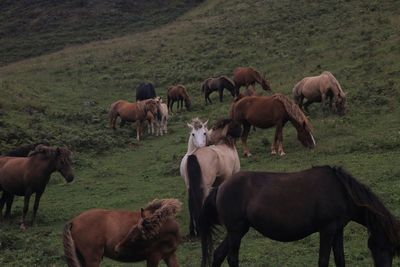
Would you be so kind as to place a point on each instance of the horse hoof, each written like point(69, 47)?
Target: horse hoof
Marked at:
point(282, 154)
point(273, 152)
point(22, 227)
point(247, 154)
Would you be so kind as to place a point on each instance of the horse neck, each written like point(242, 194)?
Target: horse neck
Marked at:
point(191, 146)
point(44, 167)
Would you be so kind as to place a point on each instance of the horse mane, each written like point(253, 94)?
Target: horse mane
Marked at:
point(23, 151)
point(233, 132)
point(63, 153)
point(328, 73)
point(162, 210)
point(293, 110)
point(228, 80)
point(378, 217)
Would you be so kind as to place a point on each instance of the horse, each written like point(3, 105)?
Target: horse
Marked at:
point(211, 165)
point(291, 206)
point(24, 176)
point(145, 91)
point(268, 111)
point(178, 93)
point(318, 89)
point(197, 138)
point(217, 84)
point(132, 112)
point(152, 234)
point(162, 119)
point(247, 76)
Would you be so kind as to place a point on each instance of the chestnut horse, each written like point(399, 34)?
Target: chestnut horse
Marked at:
point(291, 206)
point(268, 111)
point(217, 84)
point(24, 176)
point(247, 76)
point(151, 234)
point(178, 93)
point(132, 112)
point(318, 89)
point(211, 165)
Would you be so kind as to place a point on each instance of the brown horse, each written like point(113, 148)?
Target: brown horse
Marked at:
point(268, 111)
point(178, 93)
point(318, 89)
point(246, 76)
point(291, 206)
point(24, 176)
point(217, 84)
point(151, 234)
point(132, 112)
point(211, 165)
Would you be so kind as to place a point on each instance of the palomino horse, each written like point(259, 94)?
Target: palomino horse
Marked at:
point(246, 76)
point(217, 84)
point(318, 89)
point(211, 165)
point(132, 112)
point(151, 234)
point(178, 93)
point(24, 176)
point(162, 119)
point(291, 206)
point(268, 111)
point(197, 138)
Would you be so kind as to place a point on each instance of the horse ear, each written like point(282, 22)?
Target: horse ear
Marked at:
point(205, 124)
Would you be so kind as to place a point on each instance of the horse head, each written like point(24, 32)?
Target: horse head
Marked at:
point(152, 106)
point(61, 158)
point(340, 103)
point(304, 135)
point(188, 103)
point(265, 84)
point(225, 130)
point(198, 133)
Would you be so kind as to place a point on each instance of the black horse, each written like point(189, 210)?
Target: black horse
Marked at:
point(145, 91)
point(217, 84)
point(290, 206)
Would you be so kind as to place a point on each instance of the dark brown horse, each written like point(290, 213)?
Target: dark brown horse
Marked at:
point(217, 84)
point(178, 93)
point(291, 206)
point(268, 111)
point(24, 176)
point(151, 234)
point(246, 76)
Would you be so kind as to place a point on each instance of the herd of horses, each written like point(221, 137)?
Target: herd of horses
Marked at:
point(282, 206)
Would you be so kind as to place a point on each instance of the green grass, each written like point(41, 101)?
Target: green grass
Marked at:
point(64, 97)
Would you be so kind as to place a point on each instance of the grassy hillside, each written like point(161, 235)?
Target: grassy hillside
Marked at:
point(64, 97)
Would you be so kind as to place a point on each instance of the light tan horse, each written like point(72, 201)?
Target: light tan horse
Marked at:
point(209, 166)
point(152, 234)
point(132, 112)
point(247, 76)
point(318, 89)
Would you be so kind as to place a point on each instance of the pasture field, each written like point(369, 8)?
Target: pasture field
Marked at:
point(64, 97)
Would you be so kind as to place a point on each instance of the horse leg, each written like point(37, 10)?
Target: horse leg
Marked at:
point(245, 134)
point(153, 260)
point(172, 260)
point(2, 202)
point(323, 97)
point(36, 205)
point(234, 239)
point(9, 202)
point(326, 236)
point(209, 99)
point(138, 125)
point(220, 253)
point(279, 132)
point(338, 250)
point(25, 209)
point(221, 92)
point(308, 102)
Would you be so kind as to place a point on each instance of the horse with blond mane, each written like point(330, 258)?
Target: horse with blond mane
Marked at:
point(318, 89)
point(151, 235)
point(268, 111)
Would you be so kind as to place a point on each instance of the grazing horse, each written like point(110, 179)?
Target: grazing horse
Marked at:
point(318, 89)
point(211, 165)
point(291, 206)
point(145, 91)
point(151, 234)
point(246, 76)
point(178, 93)
point(217, 84)
point(197, 138)
point(24, 176)
point(268, 111)
point(132, 112)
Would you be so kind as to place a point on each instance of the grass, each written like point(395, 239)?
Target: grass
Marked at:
point(64, 97)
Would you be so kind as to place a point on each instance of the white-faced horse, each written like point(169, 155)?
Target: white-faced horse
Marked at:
point(209, 166)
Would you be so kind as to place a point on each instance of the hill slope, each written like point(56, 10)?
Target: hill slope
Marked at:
point(64, 97)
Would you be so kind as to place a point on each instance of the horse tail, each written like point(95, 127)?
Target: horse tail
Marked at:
point(196, 193)
point(208, 220)
point(294, 111)
point(69, 247)
point(378, 217)
point(113, 114)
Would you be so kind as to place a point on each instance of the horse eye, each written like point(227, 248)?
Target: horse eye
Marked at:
point(192, 134)
point(204, 133)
